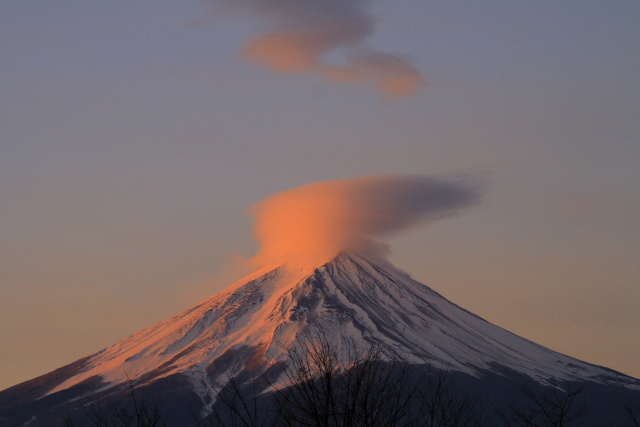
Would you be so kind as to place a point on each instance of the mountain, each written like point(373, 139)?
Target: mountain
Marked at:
point(248, 327)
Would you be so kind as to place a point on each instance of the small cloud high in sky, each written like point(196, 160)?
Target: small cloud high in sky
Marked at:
point(299, 35)
point(307, 224)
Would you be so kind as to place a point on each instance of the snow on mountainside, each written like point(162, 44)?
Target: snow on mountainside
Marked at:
point(349, 296)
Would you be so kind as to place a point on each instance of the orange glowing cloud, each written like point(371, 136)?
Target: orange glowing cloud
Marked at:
point(316, 221)
point(282, 53)
point(300, 34)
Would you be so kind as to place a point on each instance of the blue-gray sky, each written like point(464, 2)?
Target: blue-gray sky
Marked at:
point(135, 134)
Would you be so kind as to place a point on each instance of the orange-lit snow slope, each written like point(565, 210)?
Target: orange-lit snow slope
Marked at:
point(351, 299)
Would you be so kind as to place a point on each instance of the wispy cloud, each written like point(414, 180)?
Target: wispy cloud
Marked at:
point(316, 221)
point(300, 35)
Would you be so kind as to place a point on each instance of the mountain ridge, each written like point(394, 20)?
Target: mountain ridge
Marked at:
point(249, 325)
point(272, 305)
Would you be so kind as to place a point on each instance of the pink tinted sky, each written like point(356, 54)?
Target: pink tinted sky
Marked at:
point(134, 135)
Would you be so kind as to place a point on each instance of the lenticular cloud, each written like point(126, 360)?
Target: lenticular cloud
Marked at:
point(298, 35)
point(315, 221)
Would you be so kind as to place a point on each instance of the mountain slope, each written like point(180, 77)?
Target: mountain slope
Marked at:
point(249, 325)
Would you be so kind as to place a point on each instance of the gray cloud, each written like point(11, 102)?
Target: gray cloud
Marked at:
point(316, 221)
point(299, 35)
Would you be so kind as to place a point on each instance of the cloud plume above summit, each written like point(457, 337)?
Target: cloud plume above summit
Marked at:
point(315, 221)
point(299, 35)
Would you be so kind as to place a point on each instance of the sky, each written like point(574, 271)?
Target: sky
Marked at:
point(136, 136)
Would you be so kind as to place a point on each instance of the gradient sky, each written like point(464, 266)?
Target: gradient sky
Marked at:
point(134, 137)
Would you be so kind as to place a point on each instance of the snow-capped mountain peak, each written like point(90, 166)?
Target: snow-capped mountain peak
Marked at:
point(355, 300)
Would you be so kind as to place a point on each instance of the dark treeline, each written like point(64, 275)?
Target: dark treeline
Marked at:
point(323, 387)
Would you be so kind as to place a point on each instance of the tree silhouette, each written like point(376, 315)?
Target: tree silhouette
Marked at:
point(552, 408)
point(634, 416)
point(324, 386)
point(139, 410)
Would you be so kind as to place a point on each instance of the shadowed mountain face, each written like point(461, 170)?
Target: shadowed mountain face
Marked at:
point(185, 360)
